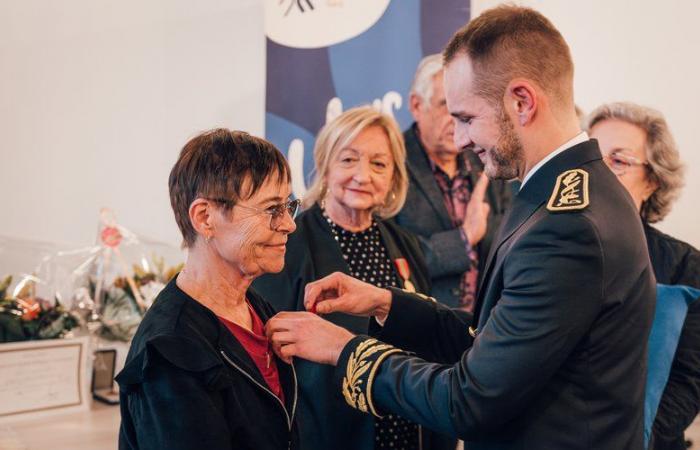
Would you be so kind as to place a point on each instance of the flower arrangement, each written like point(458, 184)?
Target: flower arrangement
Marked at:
point(24, 316)
point(96, 290)
point(121, 308)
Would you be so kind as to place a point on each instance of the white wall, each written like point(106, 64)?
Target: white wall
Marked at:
point(97, 97)
point(644, 51)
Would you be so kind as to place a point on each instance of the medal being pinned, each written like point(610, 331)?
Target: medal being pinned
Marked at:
point(405, 273)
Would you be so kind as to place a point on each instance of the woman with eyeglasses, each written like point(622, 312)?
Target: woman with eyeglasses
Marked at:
point(638, 146)
point(200, 373)
point(360, 184)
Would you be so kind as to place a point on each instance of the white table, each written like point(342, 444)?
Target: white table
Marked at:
point(96, 429)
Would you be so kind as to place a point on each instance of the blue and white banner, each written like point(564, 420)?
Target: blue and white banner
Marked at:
point(325, 56)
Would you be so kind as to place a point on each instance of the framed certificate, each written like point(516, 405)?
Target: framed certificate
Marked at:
point(43, 377)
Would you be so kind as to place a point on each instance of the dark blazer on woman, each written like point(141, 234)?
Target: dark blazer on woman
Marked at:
point(325, 420)
point(677, 263)
point(189, 384)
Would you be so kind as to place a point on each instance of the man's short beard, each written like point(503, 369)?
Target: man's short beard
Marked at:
point(506, 155)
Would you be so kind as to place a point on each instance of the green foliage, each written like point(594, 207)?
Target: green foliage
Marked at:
point(16, 324)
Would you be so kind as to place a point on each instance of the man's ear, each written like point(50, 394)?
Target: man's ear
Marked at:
point(415, 104)
point(521, 100)
point(201, 217)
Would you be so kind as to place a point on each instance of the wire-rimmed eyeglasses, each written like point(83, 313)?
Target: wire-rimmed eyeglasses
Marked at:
point(620, 162)
point(276, 212)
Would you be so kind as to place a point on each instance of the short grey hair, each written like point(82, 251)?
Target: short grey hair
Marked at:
point(423, 79)
point(665, 166)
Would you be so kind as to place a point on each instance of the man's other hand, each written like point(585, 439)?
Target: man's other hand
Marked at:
point(305, 335)
point(339, 292)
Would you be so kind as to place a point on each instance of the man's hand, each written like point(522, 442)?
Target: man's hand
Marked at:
point(477, 214)
point(339, 292)
point(306, 335)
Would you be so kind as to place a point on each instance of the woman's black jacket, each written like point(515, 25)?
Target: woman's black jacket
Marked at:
point(189, 384)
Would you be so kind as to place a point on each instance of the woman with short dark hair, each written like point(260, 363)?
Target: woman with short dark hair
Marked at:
point(200, 373)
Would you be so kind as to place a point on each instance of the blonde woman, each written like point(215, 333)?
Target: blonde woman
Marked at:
point(360, 183)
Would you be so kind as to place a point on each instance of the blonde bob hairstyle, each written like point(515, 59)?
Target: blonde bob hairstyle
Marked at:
point(338, 134)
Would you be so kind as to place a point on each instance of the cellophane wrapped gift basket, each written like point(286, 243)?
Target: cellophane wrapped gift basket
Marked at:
point(103, 290)
point(56, 298)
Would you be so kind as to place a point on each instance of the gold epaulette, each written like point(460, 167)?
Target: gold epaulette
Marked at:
point(570, 192)
point(360, 372)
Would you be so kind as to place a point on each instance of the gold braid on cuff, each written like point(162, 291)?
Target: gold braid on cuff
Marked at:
point(360, 371)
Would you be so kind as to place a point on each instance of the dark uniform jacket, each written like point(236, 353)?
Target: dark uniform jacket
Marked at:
point(189, 384)
point(425, 215)
point(561, 327)
point(326, 422)
point(677, 263)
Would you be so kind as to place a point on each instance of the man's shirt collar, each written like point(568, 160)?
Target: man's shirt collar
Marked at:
point(579, 138)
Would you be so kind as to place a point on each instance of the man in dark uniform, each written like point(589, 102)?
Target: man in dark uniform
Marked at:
point(556, 356)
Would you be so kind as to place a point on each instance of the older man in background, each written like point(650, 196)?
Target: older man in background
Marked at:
point(454, 213)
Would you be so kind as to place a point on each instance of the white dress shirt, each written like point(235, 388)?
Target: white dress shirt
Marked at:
point(581, 137)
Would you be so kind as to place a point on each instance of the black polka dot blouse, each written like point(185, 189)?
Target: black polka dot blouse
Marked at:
point(369, 261)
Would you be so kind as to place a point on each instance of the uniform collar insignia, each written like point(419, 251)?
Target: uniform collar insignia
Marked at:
point(570, 191)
